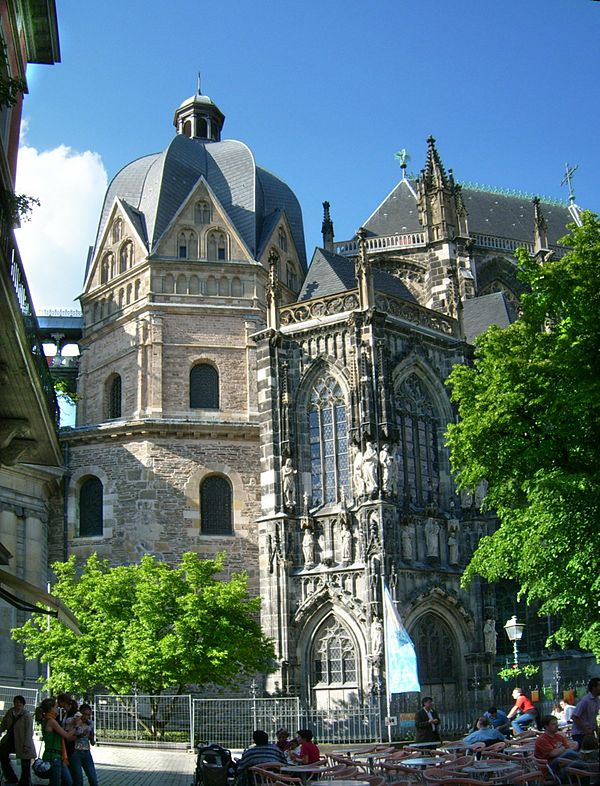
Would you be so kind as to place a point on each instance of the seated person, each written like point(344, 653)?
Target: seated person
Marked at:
point(567, 710)
point(260, 753)
point(484, 733)
point(309, 753)
point(283, 741)
point(498, 719)
point(555, 749)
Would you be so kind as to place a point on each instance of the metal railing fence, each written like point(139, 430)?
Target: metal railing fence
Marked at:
point(8, 692)
point(156, 721)
point(230, 722)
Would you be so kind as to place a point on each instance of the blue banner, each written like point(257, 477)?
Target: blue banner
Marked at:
point(400, 656)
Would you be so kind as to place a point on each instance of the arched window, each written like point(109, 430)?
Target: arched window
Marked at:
point(333, 656)
point(181, 285)
point(187, 128)
point(202, 213)
point(126, 256)
point(224, 286)
point(114, 397)
point(137, 289)
point(194, 288)
point(215, 506)
point(216, 246)
point(204, 387)
point(435, 645)
point(211, 286)
point(282, 240)
point(117, 230)
point(328, 433)
point(201, 128)
point(105, 268)
point(236, 287)
point(90, 508)
point(418, 454)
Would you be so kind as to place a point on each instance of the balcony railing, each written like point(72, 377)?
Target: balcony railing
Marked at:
point(383, 243)
point(12, 259)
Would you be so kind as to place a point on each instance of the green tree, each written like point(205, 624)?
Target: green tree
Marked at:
point(149, 627)
point(529, 424)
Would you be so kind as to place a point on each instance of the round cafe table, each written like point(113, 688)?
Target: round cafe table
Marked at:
point(487, 768)
point(423, 762)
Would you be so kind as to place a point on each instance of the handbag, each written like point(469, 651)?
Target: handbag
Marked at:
point(41, 768)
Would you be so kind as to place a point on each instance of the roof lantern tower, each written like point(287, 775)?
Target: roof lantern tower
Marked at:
point(198, 117)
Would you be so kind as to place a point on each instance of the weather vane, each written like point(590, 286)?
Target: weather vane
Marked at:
point(403, 157)
point(568, 180)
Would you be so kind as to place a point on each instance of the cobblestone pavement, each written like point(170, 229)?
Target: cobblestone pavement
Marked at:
point(121, 766)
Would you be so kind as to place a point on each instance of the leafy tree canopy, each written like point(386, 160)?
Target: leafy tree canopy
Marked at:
point(529, 425)
point(149, 627)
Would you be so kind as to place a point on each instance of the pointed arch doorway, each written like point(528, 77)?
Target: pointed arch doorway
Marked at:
point(438, 659)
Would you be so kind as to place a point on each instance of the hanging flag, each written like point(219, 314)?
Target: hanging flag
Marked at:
point(400, 656)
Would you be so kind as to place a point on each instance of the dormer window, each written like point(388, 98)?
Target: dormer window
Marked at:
point(292, 278)
point(117, 230)
point(282, 240)
point(202, 213)
point(216, 246)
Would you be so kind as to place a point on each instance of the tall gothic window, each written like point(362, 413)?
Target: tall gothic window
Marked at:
point(90, 508)
point(117, 230)
point(334, 656)
point(282, 240)
point(204, 387)
point(436, 651)
point(328, 433)
point(187, 245)
point(418, 455)
point(215, 506)
point(114, 397)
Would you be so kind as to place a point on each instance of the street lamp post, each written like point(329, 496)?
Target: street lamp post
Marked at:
point(514, 631)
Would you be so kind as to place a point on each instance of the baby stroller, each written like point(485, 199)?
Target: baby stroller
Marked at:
point(214, 766)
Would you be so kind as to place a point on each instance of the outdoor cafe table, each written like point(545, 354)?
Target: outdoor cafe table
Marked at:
point(309, 771)
point(423, 762)
point(487, 768)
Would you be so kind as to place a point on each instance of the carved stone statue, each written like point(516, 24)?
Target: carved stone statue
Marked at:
point(489, 636)
point(308, 548)
point(357, 476)
point(407, 542)
point(387, 461)
point(289, 486)
point(369, 468)
point(480, 493)
point(376, 638)
point(346, 544)
point(432, 538)
point(453, 535)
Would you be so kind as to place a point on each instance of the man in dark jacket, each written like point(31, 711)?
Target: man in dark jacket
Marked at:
point(18, 725)
point(427, 722)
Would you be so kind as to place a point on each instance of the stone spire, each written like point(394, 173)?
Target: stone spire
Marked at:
point(273, 292)
point(540, 234)
point(364, 273)
point(440, 204)
point(327, 228)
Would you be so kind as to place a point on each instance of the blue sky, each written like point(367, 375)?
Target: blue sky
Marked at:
point(324, 93)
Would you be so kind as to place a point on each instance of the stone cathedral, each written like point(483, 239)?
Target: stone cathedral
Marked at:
point(232, 400)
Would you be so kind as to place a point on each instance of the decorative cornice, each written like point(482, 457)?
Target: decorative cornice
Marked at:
point(134, 429)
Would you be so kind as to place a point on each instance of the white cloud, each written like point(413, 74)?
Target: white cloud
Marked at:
point(54, 243)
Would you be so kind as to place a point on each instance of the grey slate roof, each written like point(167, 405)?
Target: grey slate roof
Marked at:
point(489, 213)
point(331, 273)
point(481, 312)
point(156, 186)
